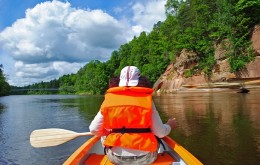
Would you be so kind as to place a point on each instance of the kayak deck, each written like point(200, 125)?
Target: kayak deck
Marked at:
point(94, 159)
point(92, 153)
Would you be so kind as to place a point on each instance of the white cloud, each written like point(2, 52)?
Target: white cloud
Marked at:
point(138, 29)
point(54, 38)
point(37, 71)
point(54, 31)
point(146, 15)
point(34, 73)
point(66, 67)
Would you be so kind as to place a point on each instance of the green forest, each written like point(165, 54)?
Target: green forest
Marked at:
point(4, 86)
point(195, 25)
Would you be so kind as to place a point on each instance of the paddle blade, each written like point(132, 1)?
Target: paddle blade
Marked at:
point(53, 137)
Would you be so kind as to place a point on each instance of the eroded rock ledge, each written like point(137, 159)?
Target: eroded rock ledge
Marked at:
point(174, 79)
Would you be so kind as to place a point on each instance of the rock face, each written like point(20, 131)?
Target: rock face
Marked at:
point(256, 39)
point(175, 77)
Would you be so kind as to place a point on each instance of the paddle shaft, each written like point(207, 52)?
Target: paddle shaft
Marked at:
point(53, 137)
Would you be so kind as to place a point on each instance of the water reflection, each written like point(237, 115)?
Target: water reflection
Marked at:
point(1, 108)
point(219, 128)
point(23, 114)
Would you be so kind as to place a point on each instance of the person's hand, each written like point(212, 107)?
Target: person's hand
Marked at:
point(172, 123)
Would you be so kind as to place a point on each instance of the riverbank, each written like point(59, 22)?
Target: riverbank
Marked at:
point(239, 86)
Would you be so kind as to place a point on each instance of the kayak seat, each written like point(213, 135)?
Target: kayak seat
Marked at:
point(95, 159)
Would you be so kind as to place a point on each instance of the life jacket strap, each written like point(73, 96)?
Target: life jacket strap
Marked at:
point(161, 142)
point(131, 130)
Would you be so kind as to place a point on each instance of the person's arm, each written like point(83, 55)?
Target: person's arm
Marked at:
point(158, 128)
point(96, 127)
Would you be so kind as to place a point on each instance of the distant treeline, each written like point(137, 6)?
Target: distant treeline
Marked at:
point(195, 25)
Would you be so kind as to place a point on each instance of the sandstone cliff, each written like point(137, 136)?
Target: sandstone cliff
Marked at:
point(174, 78)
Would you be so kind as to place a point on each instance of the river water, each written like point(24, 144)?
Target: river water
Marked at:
point(218, 128)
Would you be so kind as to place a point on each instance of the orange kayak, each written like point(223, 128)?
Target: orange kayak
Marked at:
point(92, 153)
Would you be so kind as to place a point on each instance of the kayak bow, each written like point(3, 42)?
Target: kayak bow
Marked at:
point(92, 153)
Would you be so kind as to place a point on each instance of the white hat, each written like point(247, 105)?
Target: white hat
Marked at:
point(129, 76)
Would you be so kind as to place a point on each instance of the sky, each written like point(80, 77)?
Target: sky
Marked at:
point(42, 40)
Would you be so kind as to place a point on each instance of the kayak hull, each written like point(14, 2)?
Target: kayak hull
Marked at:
point(92, 153)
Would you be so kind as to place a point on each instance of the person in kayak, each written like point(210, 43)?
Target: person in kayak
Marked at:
point(128, 120)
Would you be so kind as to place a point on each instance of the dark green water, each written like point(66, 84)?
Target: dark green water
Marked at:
point(218, 128)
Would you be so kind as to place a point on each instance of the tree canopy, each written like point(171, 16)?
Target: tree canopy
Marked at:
point(4, 86)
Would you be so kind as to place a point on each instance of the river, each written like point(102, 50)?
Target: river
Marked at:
point(218, 128)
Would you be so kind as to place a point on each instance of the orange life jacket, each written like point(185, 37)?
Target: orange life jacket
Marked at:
point(129, 108)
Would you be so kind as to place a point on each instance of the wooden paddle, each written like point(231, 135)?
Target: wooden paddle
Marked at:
point(53, 137)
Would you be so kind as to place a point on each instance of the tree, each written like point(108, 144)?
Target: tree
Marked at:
point(4, 86)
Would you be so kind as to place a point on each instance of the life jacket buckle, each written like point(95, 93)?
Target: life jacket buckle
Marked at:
point(123, 130)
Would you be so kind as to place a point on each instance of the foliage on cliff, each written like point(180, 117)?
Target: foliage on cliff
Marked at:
point(195, 25)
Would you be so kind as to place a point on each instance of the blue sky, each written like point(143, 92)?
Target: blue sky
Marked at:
point(43, 40)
